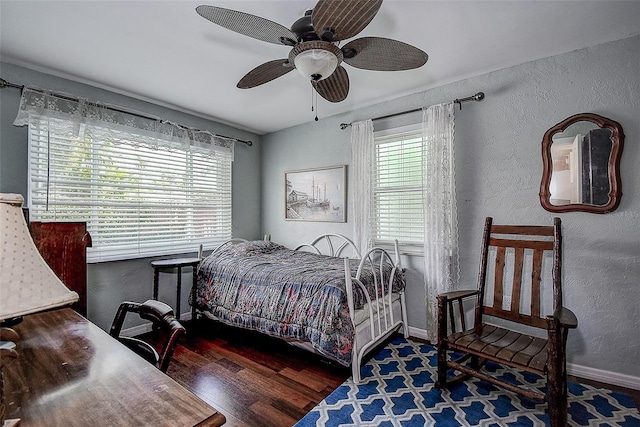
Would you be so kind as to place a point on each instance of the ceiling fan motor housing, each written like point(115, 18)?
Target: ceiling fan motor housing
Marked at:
point(304, 31)
point(303, 28)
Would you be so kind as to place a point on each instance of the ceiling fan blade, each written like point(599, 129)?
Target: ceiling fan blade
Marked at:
point(247, 24)
point(345, 18)
point(334, 88)
point(380, 54)
point(265, 73)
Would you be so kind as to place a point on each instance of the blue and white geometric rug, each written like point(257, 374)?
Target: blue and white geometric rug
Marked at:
point(397, 389)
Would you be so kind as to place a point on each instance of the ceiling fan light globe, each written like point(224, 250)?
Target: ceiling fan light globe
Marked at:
point(316, 64)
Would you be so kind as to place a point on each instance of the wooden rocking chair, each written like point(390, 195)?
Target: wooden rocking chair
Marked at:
point(519, 250)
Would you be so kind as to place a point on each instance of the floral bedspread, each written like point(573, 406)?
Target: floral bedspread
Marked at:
point(298, 295)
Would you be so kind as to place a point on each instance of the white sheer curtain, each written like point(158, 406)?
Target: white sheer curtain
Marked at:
point(80, 116)
point(441, 261)
point(361, 165)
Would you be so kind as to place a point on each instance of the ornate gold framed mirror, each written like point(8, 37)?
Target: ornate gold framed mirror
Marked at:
point(581, 165)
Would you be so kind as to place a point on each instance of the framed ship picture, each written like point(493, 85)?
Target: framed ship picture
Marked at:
point(316, 194)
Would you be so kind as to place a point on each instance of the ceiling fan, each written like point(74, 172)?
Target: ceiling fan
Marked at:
point(314, 39)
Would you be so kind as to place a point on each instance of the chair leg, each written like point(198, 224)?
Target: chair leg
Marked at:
point(556, 379)
point(557, 402)
point(441, 381)
point(475, 362)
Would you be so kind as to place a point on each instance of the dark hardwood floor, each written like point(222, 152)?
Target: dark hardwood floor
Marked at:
point(255, 380)
point(252, 379)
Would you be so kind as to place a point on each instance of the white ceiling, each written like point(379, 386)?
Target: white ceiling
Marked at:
point(163, 52)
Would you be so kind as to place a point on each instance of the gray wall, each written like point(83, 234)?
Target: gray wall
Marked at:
point(498, 171)
point(110, 283)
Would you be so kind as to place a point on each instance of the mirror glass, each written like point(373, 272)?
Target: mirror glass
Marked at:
point(581, 160)
point(580, 172)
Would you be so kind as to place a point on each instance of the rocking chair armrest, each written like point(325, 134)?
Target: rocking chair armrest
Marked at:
point(446, 303)
point(455, 295)
point(566, 317)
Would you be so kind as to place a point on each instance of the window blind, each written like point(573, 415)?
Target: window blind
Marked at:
point(139, 196)
point(397, 187)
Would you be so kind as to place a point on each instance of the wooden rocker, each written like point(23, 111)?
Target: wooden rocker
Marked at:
point(515, 298)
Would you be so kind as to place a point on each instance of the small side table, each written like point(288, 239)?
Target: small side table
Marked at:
point(178, 263)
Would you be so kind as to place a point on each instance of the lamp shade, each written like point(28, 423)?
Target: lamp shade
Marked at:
point(27, 284)
point(316, 64)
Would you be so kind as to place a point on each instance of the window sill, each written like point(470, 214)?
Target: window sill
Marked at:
point(407, 250)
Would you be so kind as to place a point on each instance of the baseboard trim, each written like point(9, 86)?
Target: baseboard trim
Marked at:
point(607, 377)
point(146, 327)
point(136, 330)
point(418, 333)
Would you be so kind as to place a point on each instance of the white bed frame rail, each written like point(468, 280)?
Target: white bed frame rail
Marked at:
point(335, 245)
point(382, 320)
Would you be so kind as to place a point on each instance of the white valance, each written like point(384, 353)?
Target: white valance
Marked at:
point(77, 116)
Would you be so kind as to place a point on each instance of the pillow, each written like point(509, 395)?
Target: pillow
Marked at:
point(254, 247)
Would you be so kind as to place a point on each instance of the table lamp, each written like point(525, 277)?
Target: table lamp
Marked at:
point(27, 284)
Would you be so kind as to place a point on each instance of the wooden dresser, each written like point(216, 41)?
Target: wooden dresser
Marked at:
point(63, 245)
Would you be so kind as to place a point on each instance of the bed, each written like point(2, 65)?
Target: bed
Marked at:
point(322, 296)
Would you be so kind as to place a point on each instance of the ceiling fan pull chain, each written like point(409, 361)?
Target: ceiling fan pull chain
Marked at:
point(314, 102)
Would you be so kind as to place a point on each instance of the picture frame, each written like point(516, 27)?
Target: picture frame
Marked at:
point(318, 194)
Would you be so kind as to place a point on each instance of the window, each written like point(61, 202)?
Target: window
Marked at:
point(140, 195)
point(397, 187)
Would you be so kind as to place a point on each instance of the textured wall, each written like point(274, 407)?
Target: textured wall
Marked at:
point(110, 283)
point(498, 168)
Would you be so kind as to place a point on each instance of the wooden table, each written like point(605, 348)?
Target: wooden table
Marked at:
point(69, 372)
point(178, 263)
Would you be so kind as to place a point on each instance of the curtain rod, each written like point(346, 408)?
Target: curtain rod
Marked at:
point(477, 97)
point(4, 83)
